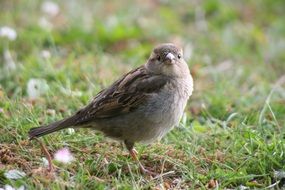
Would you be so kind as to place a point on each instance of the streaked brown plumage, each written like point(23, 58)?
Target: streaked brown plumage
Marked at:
point(141, 106)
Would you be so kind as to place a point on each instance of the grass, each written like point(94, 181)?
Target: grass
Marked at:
point(232, 134)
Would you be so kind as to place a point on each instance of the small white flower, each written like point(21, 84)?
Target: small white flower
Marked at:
point(241, 187)
point(70, 131)
point(8, 32)
point(9, 187)
point(9, 62)
point(36, 88)
point(45, 54)
point(51, 112)
point(50, 8)
point(45, 23)
point(112, 22)
point(64, 156)
point(44, 161)
point(279, 174)
point(203, 106)
point(14, 174)
point(22, 187)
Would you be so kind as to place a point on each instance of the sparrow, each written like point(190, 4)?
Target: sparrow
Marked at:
point(141, 106)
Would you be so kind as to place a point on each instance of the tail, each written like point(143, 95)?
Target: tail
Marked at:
point(47, 129)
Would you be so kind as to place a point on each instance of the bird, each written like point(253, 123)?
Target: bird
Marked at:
point(140, 107)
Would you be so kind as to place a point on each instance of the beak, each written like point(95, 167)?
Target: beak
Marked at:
point(169, 58)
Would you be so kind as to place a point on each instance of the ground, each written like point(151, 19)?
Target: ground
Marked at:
point(231, 135)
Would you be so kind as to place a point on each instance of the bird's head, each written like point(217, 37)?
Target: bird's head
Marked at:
point(167, 59)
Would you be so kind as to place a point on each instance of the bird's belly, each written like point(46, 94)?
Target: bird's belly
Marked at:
point(162, 116)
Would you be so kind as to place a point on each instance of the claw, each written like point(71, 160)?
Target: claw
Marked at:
point(133, 154)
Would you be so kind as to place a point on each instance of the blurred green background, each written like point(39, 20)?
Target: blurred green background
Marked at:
point(64, 52)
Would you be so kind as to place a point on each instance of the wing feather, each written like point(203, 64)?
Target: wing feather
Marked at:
point(123, 96)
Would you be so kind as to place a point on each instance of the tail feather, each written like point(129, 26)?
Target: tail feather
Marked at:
point(47, 129)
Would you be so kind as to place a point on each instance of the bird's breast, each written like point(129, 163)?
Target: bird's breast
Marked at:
point(165, 108)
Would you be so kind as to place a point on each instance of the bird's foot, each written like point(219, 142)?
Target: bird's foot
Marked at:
point(143, 170)
point(146, 171)
point(47, 155)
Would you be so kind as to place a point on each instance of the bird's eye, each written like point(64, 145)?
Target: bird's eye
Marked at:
point(179, 56)
point(158, 58)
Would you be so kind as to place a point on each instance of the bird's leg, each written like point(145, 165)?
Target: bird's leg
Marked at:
point(47, 154)
point(133, 154)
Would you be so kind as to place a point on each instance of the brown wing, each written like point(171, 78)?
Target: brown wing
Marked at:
point(123, 96)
